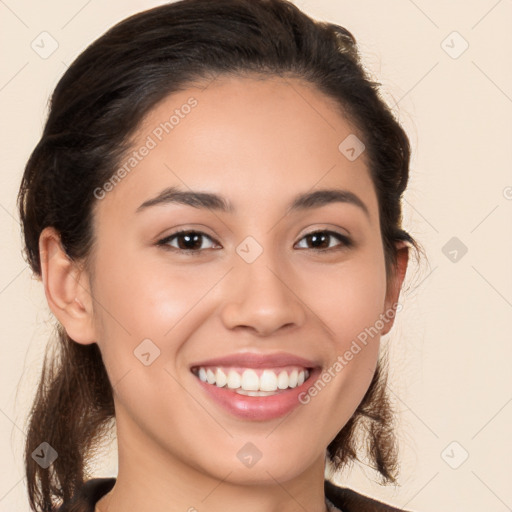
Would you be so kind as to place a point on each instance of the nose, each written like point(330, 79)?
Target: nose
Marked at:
point(262, 297)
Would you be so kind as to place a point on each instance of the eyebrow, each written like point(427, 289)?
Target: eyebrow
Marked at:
point(213, 201)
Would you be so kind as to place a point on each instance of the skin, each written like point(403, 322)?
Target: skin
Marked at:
point(258, 143)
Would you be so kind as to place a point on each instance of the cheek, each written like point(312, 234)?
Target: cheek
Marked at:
point(138, 301)
point(349, 301)
point(349, 298)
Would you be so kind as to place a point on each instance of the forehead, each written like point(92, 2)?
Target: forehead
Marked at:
point(246, 138)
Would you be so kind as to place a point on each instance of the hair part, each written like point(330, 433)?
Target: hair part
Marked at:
point(95, 110)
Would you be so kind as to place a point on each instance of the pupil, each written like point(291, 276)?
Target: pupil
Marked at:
point(317, 237)
point(191, 238)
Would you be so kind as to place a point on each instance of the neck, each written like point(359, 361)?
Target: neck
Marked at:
point(150, 479)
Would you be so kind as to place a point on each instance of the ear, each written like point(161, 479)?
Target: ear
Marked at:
point(395, 284)
point(67, 288)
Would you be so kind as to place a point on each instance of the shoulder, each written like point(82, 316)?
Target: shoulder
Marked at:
point(348, 500)
point(86, 496)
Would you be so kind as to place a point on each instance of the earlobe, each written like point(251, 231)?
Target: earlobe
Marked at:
point(395, 285)
point(66, 287)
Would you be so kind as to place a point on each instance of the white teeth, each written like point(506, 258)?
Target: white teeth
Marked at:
point(234, 379)
point(210, 376)
point(221, 378)
point(282, 380)
point(249, 383)
point(241, 391)
point(268, 381)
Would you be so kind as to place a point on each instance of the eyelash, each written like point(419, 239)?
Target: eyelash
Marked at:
point(346, 242)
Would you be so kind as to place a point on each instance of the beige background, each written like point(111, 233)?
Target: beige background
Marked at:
point(451, 345)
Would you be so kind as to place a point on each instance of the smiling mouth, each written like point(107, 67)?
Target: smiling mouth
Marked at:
point(253, 381)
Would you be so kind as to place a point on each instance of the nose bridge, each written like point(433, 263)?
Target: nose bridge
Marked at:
point(259, 294)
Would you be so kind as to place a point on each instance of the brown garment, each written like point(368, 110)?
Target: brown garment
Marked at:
point(346, 500)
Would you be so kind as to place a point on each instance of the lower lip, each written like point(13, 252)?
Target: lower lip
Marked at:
point(258, 408)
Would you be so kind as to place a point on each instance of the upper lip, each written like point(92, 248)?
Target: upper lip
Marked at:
point(255, 360)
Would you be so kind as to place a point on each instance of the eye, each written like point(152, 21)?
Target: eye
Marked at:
point(189, 241)
point(319, 239)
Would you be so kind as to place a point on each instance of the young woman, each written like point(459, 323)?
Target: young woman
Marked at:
point(214, 212)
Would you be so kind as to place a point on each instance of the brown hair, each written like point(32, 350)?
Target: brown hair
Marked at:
point(96, 108)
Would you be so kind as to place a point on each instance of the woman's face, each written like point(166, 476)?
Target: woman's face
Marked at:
point(253, 281)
